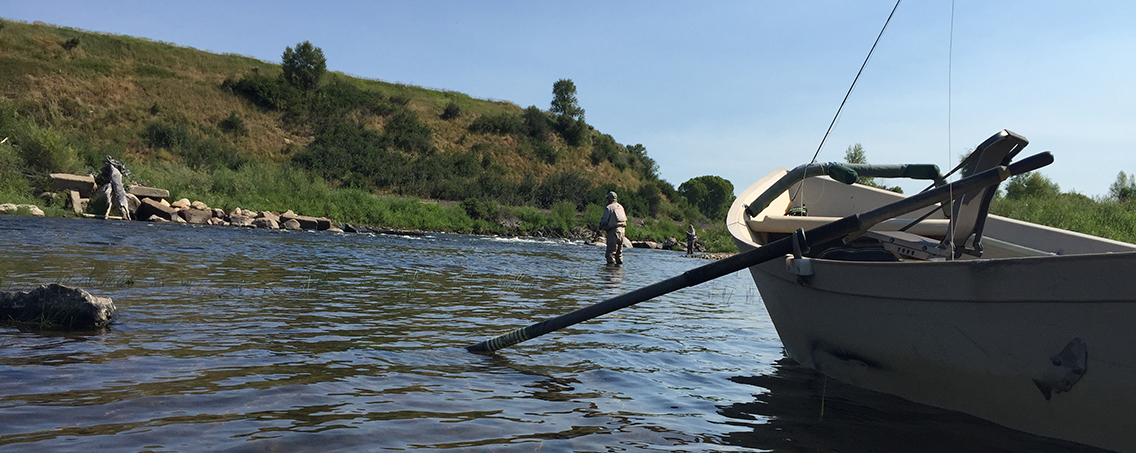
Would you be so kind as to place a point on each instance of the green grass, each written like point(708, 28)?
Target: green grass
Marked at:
point(1074, 212)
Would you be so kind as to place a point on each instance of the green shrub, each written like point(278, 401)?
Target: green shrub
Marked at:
point(400, 100)
point(452, 111)
point(568, 185)
point(264, 92)
point(547, 153)
point(592, 215)
point(564, 216)
point(482, 209)
point(45, 150)
point(234, 124)
point(13, 185)
point(500, 124)
point(537, 123)
point(575, 132)
point(196, 150)
point(403, 132)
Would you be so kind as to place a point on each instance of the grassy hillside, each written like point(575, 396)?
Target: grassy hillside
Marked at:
point(107, 88)
point(226, 129)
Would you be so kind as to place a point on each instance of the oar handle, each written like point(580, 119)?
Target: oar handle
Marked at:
point(824, 233)
point(1031, 163)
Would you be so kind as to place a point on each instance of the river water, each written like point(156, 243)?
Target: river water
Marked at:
point(231, 339)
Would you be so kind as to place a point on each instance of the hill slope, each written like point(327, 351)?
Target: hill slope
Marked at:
point(157, 104)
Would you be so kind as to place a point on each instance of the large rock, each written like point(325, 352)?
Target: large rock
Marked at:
point(291, 224)
point(84, 184)
point(240, 220)
point(266, 223)
point(306, 222)
point(56, 306)
point(196, 216)
point(148, 207)
point(148, 192)
point(10, 208)
point(269, 215)
point(78, 203)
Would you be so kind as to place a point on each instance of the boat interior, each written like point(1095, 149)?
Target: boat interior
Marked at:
point(816, 194)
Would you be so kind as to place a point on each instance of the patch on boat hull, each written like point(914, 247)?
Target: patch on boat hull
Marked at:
point(1065, 369)
point(821, 350)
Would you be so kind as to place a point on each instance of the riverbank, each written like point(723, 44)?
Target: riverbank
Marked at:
point(313, 206)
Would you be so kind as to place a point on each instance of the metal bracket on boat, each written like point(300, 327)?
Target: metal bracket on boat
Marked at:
point(1064, 369)
point(908, 245)
point(799, 265)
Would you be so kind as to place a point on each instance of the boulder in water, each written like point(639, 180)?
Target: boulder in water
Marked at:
point(56, 306)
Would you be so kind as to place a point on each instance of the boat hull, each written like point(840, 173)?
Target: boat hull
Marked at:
point(977, 336)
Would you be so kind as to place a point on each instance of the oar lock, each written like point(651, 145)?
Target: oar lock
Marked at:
point(799, 265)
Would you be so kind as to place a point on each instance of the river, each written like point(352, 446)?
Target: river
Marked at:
point(231, 339)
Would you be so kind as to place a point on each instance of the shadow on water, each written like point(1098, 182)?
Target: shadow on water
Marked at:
point(801, 410)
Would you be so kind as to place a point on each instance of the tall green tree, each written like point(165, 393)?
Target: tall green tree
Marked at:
point(564, 101)
point(1123, 188)
point(1031, 185)
point(712, 195)
point(569, 115)
point(304, 66)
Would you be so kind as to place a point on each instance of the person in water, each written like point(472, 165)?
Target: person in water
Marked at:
point(613, 222)
point(691, 236)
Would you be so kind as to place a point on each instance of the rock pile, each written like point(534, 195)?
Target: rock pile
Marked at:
point(153, 205)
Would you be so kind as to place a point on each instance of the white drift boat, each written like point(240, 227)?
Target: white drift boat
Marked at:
point(1028, 326)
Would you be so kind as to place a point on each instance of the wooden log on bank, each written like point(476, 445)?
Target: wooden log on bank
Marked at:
point(56, 307)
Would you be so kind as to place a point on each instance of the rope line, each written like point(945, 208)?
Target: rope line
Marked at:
point(849, 93)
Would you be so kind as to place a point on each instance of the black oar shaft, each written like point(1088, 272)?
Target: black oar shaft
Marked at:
point(824, 233)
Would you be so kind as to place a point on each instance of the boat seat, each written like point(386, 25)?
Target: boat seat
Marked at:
point(968, 211)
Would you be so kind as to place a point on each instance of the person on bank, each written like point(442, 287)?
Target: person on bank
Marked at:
point(691, 236)
point(613, 222)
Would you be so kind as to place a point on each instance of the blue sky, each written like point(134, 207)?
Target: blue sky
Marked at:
point(723, 88)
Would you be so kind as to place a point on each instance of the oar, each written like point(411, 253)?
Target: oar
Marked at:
point(824, 233)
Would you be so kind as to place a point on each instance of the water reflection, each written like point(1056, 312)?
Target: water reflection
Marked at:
point(613, 275)
point(800, 410)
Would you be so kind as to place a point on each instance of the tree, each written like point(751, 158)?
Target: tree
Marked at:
point(1031, 185)
point(712, 195)
point(564, 100)
point(304, 66)
point(855, 154)
point(1124, 188)
point(650, 193)
point(569, 116)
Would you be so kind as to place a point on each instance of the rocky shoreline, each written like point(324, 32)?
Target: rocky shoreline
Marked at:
point(151, 204)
